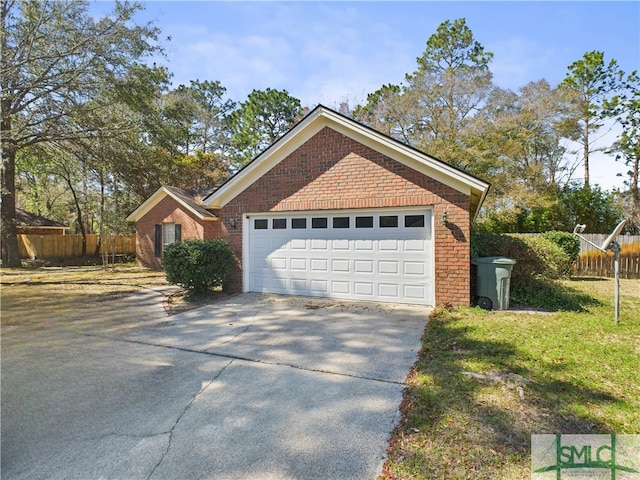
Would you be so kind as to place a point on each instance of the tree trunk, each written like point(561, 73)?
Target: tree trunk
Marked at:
point(83, 231)
point(10, 256)
point(635, 182)
point(101, 218)
point(9, 234)
point(635, 193)
point(585, 146)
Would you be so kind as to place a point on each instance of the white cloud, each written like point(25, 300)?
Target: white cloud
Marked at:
point(351, 56)
point(240, 63)
point(320, 53)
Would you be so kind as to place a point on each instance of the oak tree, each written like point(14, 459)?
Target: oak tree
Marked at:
point(54, 58)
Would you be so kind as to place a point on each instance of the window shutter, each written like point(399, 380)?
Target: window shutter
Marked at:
point(178, 229)
point(158, 241)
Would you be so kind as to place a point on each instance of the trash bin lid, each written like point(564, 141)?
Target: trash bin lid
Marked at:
point(493, 260)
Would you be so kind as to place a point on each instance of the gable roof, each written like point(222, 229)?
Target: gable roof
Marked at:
point(28, 219)
point(190, 199)
point(321, 117)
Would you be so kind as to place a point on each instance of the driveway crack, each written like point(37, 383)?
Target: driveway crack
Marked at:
point(244, 330)
point(249, 359)
point(186, 409)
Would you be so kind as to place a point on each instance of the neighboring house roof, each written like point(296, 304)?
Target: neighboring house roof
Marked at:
point(321, 117)
point(28, 219)
point(190, 199)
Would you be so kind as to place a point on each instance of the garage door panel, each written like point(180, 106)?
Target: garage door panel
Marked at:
point(278, 285)
point(363, 289)
point(340, 288)
point(319, 244)
point(414, 268)
point(299, 285)
point(415, 292)
point(339, 245)
point(277, 249)
point(388, 266)
point(299, 264)
point(418, 245)
point(389, 263)
point(319, 286)
point(363, 245)
point(389, 290)
point(389, 245)
point(277, 263)
point(274, 284)
point(319, 265)
point(340, 265)
point(298, 244)
point(363, 266)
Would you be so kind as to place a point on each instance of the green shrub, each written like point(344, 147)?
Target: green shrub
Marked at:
point(567, 241)
point(198, 265)
point(536, 256)
point(552, 295)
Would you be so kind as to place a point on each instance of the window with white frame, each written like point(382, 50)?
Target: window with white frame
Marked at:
point(168, 234)
point(165, 235)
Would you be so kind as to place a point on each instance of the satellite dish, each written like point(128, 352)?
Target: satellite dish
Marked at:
point(607, 243)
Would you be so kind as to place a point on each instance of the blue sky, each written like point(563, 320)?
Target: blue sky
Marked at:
point(327, 52)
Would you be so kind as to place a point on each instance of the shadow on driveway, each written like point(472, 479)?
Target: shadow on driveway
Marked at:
point(257, 386)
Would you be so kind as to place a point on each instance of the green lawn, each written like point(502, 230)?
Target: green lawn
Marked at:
point(486, 381)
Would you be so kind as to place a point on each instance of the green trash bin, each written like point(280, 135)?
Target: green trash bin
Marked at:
point(493, 282)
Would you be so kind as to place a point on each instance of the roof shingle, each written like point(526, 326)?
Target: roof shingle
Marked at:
point(28, 219)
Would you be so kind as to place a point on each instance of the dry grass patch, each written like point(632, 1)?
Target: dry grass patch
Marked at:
point(29, 295)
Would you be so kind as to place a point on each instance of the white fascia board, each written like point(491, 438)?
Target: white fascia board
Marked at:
point(481, 198)
point(153, 200)
point(147, 205)
point(206, 218)
point(265, 161)
point(421, 162)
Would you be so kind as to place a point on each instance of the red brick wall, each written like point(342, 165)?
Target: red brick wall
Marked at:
point(331, 171)
point(167, 210)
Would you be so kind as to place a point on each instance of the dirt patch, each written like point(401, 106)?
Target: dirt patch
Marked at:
point(181, 301)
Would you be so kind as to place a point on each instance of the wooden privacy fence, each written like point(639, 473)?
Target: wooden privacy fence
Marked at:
point(70, 246)
point(592, 262)
point(598, 238)
point(601, 265)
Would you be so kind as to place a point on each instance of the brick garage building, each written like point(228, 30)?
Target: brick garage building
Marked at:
point(333, 208)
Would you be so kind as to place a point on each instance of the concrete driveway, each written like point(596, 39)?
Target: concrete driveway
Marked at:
point(255, 387)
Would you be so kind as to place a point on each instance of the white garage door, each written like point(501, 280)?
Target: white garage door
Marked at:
point(366, 255)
